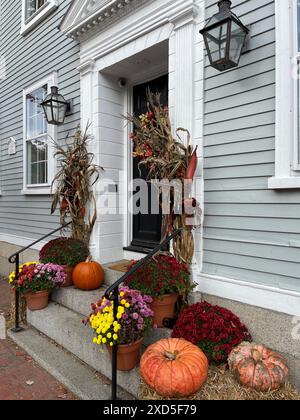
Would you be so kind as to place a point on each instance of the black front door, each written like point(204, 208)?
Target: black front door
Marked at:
point(147, 227)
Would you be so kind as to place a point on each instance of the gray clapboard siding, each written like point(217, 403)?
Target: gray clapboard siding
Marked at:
point(260, 237)
point(251, 233)
point(240, 171)
point(253, 275)
point(42, 51)
point(239, 147)
point(252, 224)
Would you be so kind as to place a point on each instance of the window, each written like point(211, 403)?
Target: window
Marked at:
point(36, 138)
point(287, 153)
point(34, 11)
point(32, 6)
point(38, 162)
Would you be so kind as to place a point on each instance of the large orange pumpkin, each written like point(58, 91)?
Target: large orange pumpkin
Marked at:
point(174, 368)
point(258, 367)
point(88, 275)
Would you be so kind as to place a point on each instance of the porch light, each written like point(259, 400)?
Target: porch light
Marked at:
point(56, 107)
point(224, 37)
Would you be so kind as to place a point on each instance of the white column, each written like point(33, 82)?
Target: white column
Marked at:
point(89, 113)
point(182, 65)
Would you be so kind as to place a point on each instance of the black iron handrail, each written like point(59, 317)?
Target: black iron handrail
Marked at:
point(112, 294)
point(15, 259)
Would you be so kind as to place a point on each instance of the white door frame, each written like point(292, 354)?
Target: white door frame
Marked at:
point(176, 22)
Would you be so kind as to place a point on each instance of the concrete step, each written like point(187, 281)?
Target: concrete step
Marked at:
point(68, 370)
point(111, 276)
point(80, 302)
point(65, 327)
point(77, 300)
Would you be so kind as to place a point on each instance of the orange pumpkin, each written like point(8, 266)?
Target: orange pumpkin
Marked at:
point(258, 367)
point(174, 368)
point(88, 275)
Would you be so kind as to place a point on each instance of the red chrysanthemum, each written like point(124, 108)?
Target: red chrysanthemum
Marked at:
point(214, 329)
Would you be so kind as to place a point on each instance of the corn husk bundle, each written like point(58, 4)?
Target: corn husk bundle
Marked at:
point(73, 185)
point(167, 158)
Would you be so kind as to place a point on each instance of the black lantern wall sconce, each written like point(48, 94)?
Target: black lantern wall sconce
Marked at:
point(224, 37)
point(56, 107)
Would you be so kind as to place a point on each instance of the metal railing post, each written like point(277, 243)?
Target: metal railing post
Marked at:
point(15, 259)
point(112, 294)
point(115, 348)
point(17, 327)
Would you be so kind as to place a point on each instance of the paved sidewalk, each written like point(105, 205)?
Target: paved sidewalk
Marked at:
point(20, 377)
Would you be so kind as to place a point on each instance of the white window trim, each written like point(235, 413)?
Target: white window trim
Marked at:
point(40, 15)
point(45, 189)
point(287, 173)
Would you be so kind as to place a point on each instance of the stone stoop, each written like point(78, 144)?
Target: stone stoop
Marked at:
point(62, 322)
point(66, 368)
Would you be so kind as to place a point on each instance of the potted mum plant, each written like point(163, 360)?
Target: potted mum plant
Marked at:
point(135, 319)
point(66, 252)
point(164, 279)
point(215, 330)
point(35, 281)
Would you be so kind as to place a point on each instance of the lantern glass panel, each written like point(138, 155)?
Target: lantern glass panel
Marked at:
point(217, 42)
point(237, 41)
point(59, 110)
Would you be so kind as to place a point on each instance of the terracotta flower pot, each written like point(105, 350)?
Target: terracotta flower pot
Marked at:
point(69, 272)
point(37, 300)
point(163, 307)
point(128, 355)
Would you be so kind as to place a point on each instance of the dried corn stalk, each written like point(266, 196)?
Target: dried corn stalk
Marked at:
point(73, 185)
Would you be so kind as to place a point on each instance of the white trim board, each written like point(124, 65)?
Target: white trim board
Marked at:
point(266, 297)
point(287, 173)
point(21, 241)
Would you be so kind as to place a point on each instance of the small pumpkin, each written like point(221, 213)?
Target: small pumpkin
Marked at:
point(88, 275)
point(258, 367)
point(174, 368)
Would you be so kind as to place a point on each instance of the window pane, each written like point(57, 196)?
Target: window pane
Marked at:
point(32, 6)
point(36, 122)
point(33, 174)
point(37, 162)
point(42, 173)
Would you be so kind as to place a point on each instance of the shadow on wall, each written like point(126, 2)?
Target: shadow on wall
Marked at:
point(6, 250)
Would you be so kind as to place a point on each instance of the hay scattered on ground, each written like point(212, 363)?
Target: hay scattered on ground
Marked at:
point(221, 385)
